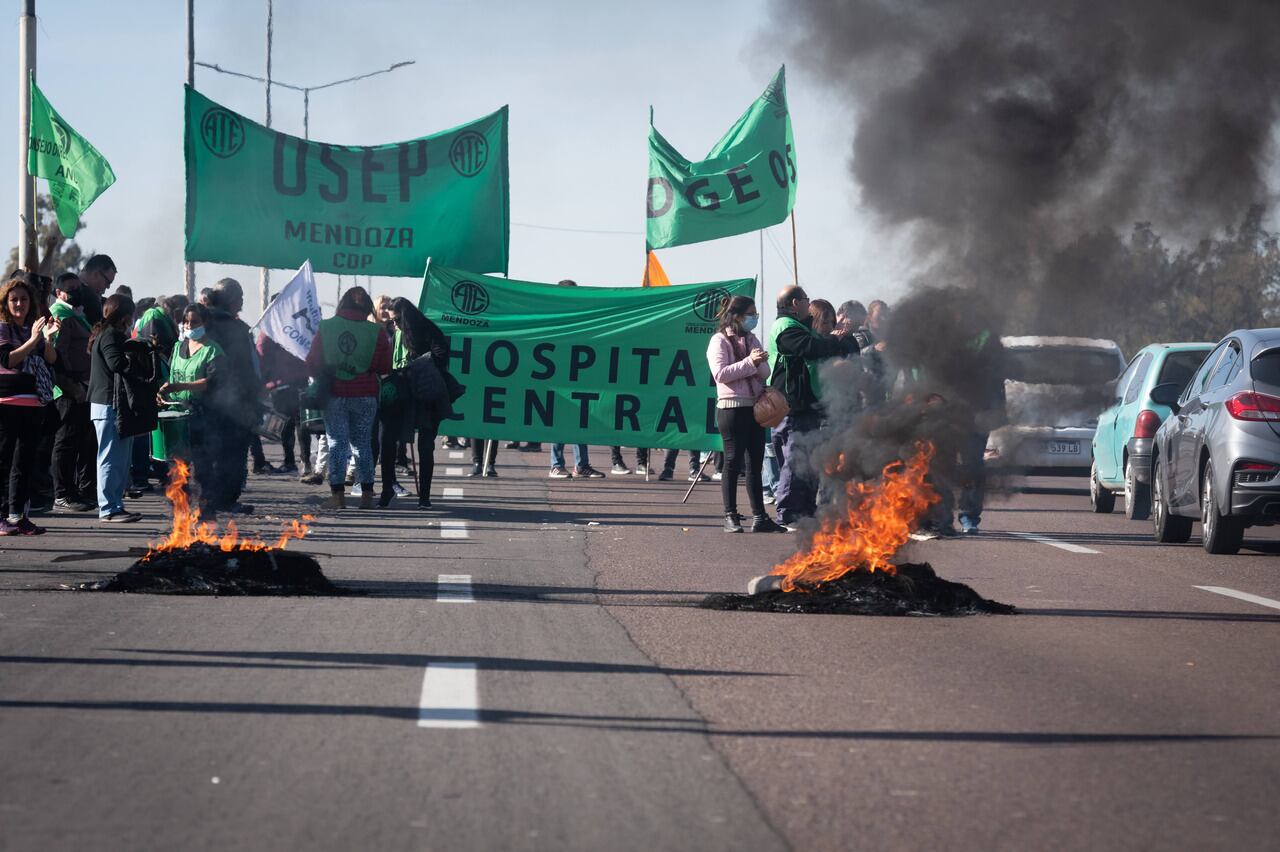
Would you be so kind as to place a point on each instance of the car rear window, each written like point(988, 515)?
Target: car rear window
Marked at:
point(1179, 367)
point(1062, 365)
point(1266, 368)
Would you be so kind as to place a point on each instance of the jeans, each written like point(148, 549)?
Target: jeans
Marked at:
point(971, 474)
point(797, 488)
point(114, 453)
point(349, 424)
point(769, 472)
point(743, 441)
point(74, 450)
point(580, 458)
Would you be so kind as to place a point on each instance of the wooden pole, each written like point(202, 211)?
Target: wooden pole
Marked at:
point(706, 457)
point(795, 263)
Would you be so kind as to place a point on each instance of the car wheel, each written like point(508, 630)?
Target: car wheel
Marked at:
point(1168, 528)
point(1137, 495)
point(1102, 500)
point(1221, 534)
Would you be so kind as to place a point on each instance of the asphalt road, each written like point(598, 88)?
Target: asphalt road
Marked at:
point(558, 690)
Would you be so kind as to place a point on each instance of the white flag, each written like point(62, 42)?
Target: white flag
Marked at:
point(293, 318)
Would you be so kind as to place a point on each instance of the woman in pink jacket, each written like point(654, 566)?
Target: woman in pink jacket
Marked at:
point(740, 366)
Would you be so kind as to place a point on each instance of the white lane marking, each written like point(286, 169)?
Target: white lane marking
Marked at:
point(453, 471)
point(1244, 596)
point(450, 698)
point(454, 529)
point(455, 454)
point(452, 493)
point(454, 588)
point(1061, 545)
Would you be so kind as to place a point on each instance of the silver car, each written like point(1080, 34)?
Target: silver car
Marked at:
point(1218, 457)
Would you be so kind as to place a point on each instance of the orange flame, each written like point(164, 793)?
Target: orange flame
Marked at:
point(879, 521)
point(188, 529)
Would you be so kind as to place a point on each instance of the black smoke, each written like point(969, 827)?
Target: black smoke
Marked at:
point(1003, 132)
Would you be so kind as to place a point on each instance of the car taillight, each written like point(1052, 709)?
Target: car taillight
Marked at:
point(1146, 424)
point(1251, 473)
point(1254, 406)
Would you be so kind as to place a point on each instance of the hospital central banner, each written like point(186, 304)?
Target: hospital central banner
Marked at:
point(259, 197)
point(580, 365)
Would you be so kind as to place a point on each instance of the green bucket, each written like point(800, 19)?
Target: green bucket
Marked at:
point(172, 438)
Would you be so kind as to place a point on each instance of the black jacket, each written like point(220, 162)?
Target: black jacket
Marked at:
point(795, 347)
point(106, 360)
point(239, 394)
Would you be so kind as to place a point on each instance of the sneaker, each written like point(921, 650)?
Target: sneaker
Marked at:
point(7, 528)
point(641, 470)
point(511, 445)
point(133, 493)
point(450, 444)
point(25, 527)
point(694, 476)
point(665, 475)
point(40, 508)
point(399, 490)
point(968, 526)
point(588, 472)
point(121, 518)
point(717, 476)
point(64, 505)
point(620, 470)
point(142, 487)
point(312, 479)
point(490, 471)
point(476, 470)
point(769, 499)
point(424, 504)
point(287, 467)
point(558, 472)
point(356, 490)
point(535, 447)
point(732, 523)
point(949, 531)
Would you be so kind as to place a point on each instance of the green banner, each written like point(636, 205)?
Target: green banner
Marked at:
point(263, 198)
point(746, 183)
point(580, 365)
point(76, 172)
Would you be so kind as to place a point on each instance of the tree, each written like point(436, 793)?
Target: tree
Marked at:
point(56, 252)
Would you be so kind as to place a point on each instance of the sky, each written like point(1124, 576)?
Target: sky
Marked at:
point(579, 77)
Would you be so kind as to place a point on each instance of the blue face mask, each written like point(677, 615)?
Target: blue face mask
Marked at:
point(749, 322)
point(193, 333)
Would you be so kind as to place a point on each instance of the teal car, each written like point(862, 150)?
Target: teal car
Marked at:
point(1122, 442)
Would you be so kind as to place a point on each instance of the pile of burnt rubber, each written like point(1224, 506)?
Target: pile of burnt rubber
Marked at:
point(913, 590)
point(204, 569)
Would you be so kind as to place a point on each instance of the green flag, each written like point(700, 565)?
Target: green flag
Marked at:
point(580, 365)
point(746, 183)
point(76, 172)
point(264, 198)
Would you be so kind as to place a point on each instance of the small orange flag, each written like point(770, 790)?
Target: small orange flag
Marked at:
point(654, 274)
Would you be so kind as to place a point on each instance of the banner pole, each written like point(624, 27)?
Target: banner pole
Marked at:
point(28, 253)
point(795, 263)
point(189, 269)
point(760, 280)
point(705, 458)
point(264, 282)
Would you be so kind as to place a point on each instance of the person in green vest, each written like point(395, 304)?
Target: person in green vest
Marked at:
point(193, 371)
point(795, 353)
point(350, 353)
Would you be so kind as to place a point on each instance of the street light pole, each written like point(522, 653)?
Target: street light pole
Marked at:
point(264, 282)
point(28, 254)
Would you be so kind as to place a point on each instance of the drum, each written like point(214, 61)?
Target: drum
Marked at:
point(271, 425)
point(172, 438)
point(312, 420)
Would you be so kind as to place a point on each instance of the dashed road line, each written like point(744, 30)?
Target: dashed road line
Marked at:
point(1244, 596)
point(454, 588)
point(1061, 545)
point(455, 454)
point(453, 471)
point(450, 697)
point(451, 493)
point(454, 529)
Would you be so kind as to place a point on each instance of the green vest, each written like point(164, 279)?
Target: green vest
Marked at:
point(780, 325)
point(399, 355)
point(191, 369)
point(154, 313)
point(349, 346)
point(64, 313)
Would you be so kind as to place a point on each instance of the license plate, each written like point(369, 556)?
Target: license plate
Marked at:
point(1064, 448)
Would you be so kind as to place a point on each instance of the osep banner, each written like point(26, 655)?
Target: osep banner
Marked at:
point(580, 365)
point(263, 198)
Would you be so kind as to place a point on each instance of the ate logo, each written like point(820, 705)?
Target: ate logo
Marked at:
point(469, 153)
point(469, 297)
point(64, 138)
point(347, 342)
point(708, 303)
point(222, 132)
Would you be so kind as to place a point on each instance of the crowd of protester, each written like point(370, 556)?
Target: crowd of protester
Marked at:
point(99, 392)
